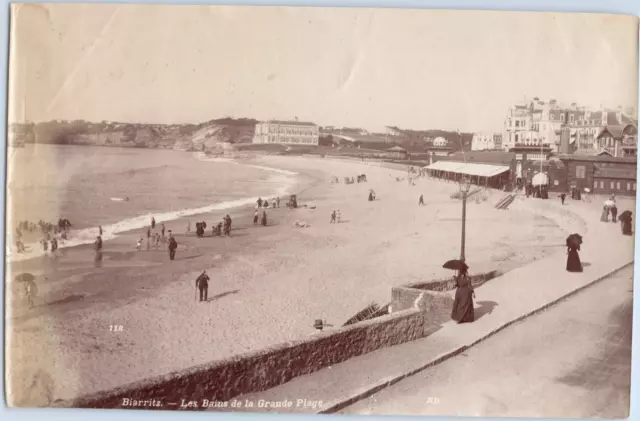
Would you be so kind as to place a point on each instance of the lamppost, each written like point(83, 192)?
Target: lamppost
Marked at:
point(464, 186)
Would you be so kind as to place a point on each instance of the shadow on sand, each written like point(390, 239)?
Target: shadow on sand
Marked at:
point(224, 294)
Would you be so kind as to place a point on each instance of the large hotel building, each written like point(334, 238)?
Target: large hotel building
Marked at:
point(286, 133)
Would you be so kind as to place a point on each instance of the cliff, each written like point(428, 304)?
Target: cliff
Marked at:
point(187, 137)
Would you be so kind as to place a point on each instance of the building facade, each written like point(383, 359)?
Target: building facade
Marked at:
point(536, 123)
point(486, 142)
point(286, 133)
point(601, 174)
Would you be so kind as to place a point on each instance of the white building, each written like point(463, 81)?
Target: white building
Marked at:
point(440, 142)
point(286, 133)
point(486, 141)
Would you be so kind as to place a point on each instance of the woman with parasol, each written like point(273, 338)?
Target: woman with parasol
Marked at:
point(462, 311)
point(626, 223)
point(573, 259)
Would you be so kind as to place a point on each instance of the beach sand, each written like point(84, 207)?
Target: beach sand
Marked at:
point(268, 284)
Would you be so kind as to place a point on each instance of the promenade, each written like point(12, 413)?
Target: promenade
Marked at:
point(499, 303)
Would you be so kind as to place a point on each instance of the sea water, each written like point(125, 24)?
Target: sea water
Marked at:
point(89, 185)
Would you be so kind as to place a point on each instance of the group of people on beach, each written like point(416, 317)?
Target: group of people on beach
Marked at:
point(52, 234)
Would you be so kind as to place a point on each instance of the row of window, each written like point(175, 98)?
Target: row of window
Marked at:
point(614, 185)
point(292, 132)
point(296, 141)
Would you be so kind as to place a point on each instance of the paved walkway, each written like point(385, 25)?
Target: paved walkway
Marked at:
point(509, 298)
point(584, 344)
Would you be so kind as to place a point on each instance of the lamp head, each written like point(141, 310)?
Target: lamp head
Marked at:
point(464, 185)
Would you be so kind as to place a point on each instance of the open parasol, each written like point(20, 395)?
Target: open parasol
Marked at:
point(25, 277)
point(625, 216)
point(455, 264)
point(609, 203)
point(574, 240)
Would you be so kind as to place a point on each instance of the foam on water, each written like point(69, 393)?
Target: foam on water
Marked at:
point(284, 180)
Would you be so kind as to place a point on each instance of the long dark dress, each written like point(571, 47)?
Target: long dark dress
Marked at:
point(573, 259)
point(627, 227)
point(462, 311)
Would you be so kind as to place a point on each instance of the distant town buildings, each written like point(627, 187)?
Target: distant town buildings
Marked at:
point(286, 133)
point(486, 142)
point(537, 123)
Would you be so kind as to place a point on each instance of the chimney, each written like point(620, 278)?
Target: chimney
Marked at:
point(565, 139)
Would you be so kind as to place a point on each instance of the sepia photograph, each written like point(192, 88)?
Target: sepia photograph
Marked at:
point(314, 210)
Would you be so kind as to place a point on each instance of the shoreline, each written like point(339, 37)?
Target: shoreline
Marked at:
point(82, 237)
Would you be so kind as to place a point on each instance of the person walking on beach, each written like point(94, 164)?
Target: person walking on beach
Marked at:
point(157, 238)
point(614, 213)
point(100, 230)
point(604, 217)
point(54, 245)
point(562, 197)
point(97, 246)
point(153, 222)
point(333, 217)
point(264, 218)
point(173, 245)
point(259, 202)
point(30, 290)
point(202, 283)
point(162, 230)
point(148, 238)
point(139, 244)
point(278, 201)
point(421, 201)
point(255, 217)
point(188, 227)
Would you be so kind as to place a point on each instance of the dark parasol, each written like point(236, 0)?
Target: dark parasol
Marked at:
point(574, 240)
point(455, 264)
point(25, 277)
point(625, 216)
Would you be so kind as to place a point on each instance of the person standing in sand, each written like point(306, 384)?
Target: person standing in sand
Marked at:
point(202, 283)
point(421, 201)
point(100, 230)
point(173, 245)
point(97, 245)
point(255, 217)
point(162, 230)
point(264, 218)
point(333, 217)
point(153, 222)
point(188, 227)
point(139, 244)
point(259, 202)
point(278, 201)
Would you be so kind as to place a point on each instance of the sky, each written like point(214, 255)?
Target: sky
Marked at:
point(360, 67)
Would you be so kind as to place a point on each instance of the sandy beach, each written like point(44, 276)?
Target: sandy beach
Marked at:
point(268, 284)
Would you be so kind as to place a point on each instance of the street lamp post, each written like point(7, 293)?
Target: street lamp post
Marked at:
point(464, 189)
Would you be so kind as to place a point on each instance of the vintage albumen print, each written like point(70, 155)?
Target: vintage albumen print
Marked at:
point(321, 210)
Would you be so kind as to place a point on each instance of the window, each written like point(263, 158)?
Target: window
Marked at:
point(595, 184)
point(570, 117)
point(602, 184)
point(612, 185)
point(628, 186)
point(618, 185)
point(580, 171)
